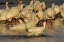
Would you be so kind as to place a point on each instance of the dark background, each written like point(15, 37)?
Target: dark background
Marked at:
point(48, 2)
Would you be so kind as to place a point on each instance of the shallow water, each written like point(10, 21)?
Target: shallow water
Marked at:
point(55, 34)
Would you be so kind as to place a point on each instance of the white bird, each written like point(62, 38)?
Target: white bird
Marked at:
point(43, 5)
point(30, 6)
point(14, 11)
point(36, 31)
point(1, 10)
point(50, 12)
point(40, 14)
point(62, 13)
point(23, 13)
point(37, 5)
point(27, 16)
point(62, 7)
point(56, 8)
point(3, 14)
point(19, 27)
point(35, 19)
point(22, 6)
point(32, 2)
point(30, 24)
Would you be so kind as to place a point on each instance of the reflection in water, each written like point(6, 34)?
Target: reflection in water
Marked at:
point(50, 39)
point(38, 39)
point(27, 39)
point(34, 39)
point(49, 36)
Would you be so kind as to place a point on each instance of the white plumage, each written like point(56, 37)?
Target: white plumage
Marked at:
point(1, 10)
point(29, 17)
point(56, 8)
point(40, 14)
point(19, 27)
point(21, 6)
point(30, 6)
point(50, 12)
point(62, 12)
point(37, 6)
point(36, 31)
point(14, 11)
point(43, 5)
point(3, 14)
point(7, 7)
point(30, 24)
point(62, 6)
point(26, 13)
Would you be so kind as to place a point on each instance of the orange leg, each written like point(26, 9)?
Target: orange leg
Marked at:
point(41, 23)
point(8, 23)
point(19, 32)
point(51, 21)
point(16, 22)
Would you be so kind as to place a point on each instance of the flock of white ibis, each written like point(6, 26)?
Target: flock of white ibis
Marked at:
point(26, 17)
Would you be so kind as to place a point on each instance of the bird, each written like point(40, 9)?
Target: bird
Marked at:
point(50, 13)
point(62, 13)
point(26, 14)
point(56, 8)
point(20, 27)
point(3, 14)
point(36, 6)
point(36, 31)
point(62, 6)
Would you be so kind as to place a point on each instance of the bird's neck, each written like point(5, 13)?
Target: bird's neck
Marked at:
point(7, 6)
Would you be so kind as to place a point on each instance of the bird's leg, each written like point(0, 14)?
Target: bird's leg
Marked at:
point(11, 23)
point(0, 21)
point(17, 21)
point(14, 21)
point(7, 25)
point(51, 21)
point(39, 20)
point(47, 22)
point(41, 23)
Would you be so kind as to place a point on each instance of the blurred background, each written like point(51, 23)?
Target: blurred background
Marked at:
point(27, 1)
